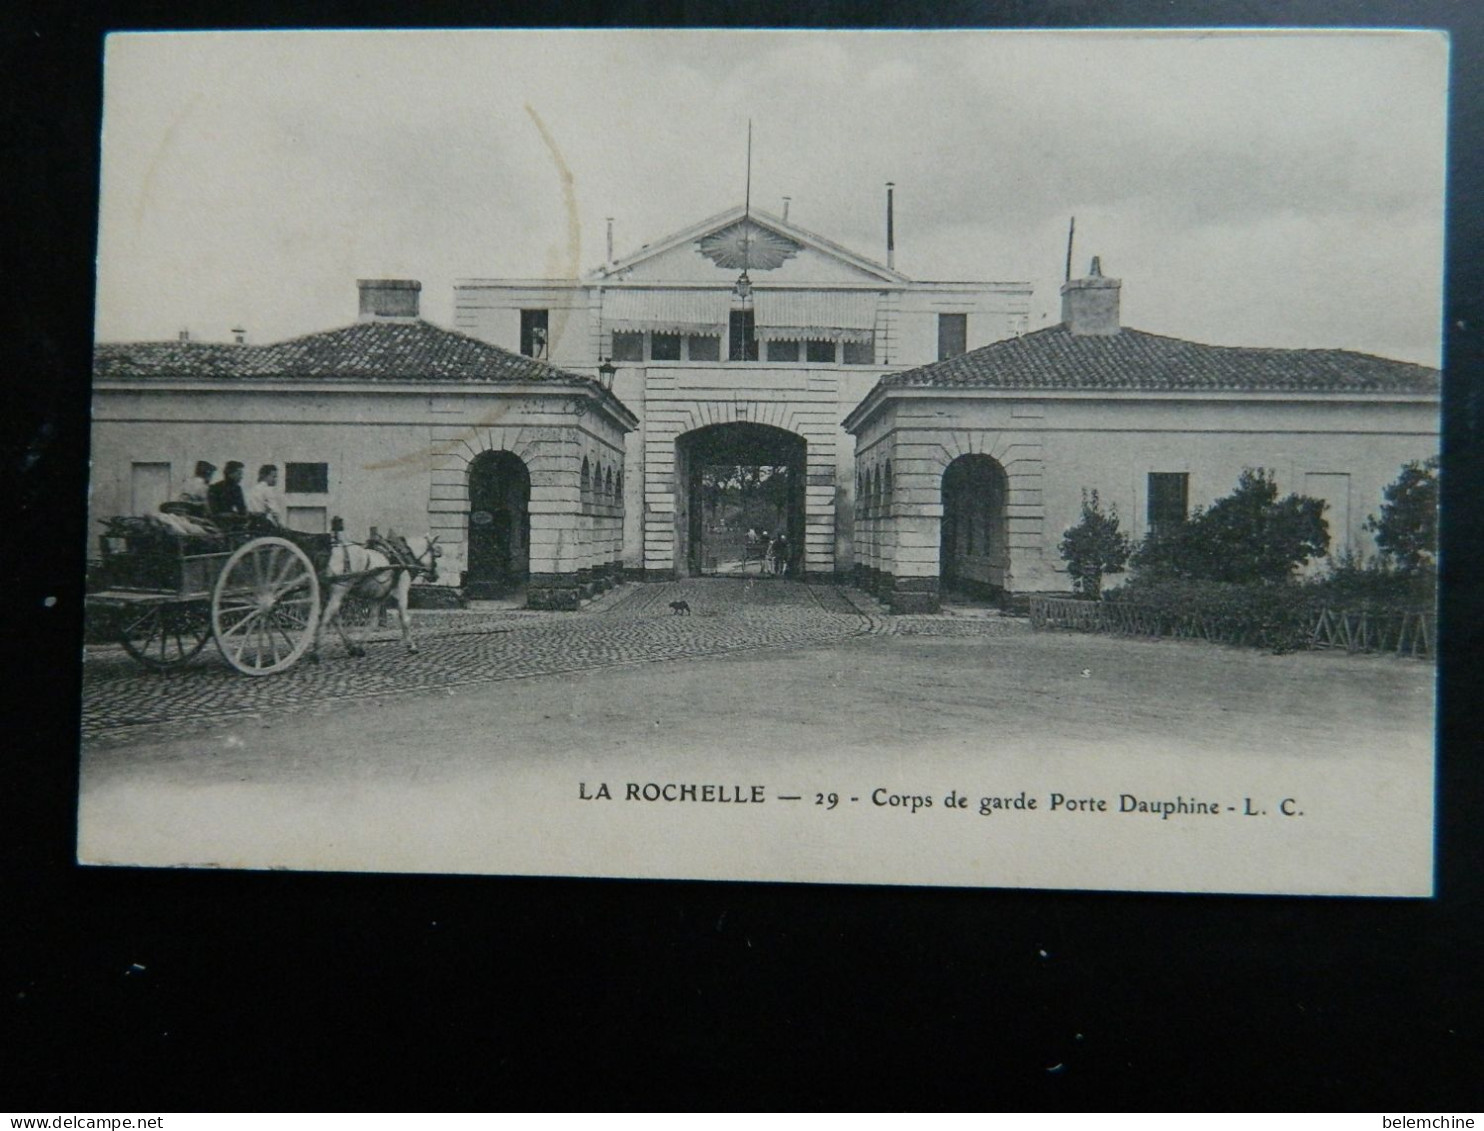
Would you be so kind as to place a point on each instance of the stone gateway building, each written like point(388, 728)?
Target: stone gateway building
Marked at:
point(971, 469)
point(744, 339)
point(392, 422)
point(916, 439)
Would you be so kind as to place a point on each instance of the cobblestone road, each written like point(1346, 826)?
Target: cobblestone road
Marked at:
point(633, 624)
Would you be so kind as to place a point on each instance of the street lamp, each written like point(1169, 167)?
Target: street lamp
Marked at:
point(605, 374)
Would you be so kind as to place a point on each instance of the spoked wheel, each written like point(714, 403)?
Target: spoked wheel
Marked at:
point(264, 606)
point(165, 635)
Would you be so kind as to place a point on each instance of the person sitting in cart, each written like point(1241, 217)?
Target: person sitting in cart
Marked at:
point(224, 498)
point(262, 500)
point(191, 502)
point(193, 493)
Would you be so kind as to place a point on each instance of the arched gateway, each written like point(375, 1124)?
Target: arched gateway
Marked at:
point(733, 479)
point(975, 551)
point(499, 529)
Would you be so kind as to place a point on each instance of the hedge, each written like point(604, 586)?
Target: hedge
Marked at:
point(1280, 618)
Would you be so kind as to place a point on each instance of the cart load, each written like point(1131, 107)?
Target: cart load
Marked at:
point(173, 581)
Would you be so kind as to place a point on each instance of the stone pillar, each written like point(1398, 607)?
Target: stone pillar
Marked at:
point(819, 508)
point(611, 533)
point(914, 518)
point(1025, 527)
point(556, 515)
point(660, 503)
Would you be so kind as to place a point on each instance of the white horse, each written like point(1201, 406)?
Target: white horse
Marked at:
point(376, 576)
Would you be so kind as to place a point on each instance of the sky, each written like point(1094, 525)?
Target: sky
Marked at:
point(1260, 189)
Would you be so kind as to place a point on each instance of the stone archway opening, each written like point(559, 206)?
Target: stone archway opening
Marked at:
point(499, 526)
point(974, 554)
point(738, 486)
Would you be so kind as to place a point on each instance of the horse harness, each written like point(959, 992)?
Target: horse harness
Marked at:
point(398, 554)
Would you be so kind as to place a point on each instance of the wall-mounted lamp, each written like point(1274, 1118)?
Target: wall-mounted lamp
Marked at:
point(605, 374)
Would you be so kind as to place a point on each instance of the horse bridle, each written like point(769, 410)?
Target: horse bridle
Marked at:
point(431, 553)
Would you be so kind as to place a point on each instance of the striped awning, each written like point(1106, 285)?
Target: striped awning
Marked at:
point(797, 316)
point(667, 312)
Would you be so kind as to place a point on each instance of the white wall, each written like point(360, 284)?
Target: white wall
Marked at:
point(1052, 448)
point(396, 459)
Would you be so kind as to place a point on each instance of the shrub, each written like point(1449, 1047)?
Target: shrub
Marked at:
point(1261, 615)
point(1353, 583)
point(1407, 528)
point(1280, 617)
point(434, 597)
point(1094, 547)
point(1249, 536)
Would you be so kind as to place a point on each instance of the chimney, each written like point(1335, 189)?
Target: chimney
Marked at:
point(786, 199)
point(239, 335)
point(610, 240)
point(891, 235)
point(184, 335)
point(388, 299)
point(1089, 306)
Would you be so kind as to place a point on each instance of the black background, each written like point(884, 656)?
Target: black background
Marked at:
point(280, 990)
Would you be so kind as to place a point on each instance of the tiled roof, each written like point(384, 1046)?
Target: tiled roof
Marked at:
point(1055, 358)
point(366, 351)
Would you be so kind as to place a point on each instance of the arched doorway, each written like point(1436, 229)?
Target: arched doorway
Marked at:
point(974, 558)
point(733, 480)
point(499, 525)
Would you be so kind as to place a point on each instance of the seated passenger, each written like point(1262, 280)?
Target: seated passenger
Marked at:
point(262, 500)
point(191, 502)
point(224, 498)
point(195, 488)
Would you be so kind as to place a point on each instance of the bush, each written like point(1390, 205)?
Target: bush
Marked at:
point(1094, 547)
point(1261, 615)
point(1352, 583)
point(434, 597)
point(1247, 537)
point(1279, 617)
point(1407, 528)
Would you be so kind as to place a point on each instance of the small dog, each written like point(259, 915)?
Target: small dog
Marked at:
point(680, 608)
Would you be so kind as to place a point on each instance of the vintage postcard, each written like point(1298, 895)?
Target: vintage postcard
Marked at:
point(961, 458)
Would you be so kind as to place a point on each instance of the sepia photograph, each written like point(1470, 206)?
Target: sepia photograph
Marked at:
point(975, 459)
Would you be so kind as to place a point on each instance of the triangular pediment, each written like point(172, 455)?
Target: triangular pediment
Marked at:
point(771, 249)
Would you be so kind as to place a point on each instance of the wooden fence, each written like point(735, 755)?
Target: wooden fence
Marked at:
point(1406, 633)
point(1403, 632)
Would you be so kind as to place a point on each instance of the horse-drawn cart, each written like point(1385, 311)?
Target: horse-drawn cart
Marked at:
point(256, 594)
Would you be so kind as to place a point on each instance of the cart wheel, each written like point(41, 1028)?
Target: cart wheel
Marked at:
point(264, 606)
point(166, 635)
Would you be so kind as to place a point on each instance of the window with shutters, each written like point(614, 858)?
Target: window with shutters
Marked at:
point(308, 520)
point(742, 339)
point(703, 347)
point(628, 345)
point(953, 335)
point(533, 331)
point(149, 486)
point(1169, 499)
point(306, 478)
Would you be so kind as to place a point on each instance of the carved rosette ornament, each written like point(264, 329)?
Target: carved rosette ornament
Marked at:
point(747, 246)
